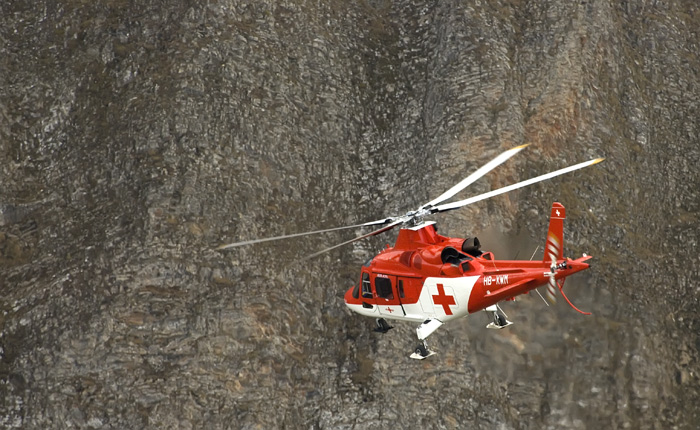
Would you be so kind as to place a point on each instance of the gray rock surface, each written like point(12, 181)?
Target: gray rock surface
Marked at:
point(135, 137)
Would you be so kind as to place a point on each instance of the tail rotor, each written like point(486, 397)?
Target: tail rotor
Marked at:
point(551, 292)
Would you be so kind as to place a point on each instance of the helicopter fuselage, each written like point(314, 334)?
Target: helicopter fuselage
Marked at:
point(429, 276)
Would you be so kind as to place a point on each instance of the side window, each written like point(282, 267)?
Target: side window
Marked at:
point(401, 293)
point(366, 288)
point(383, 286)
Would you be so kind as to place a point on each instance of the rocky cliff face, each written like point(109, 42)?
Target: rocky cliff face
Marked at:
point(137, 136)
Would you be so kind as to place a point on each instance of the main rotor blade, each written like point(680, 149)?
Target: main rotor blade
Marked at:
point(461, 203)
point(364, 236)
point(289, 236)
point(286, 236)
point(476, 175)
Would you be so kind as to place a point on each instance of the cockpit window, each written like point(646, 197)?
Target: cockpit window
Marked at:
point(366, 288)
point(383, 286)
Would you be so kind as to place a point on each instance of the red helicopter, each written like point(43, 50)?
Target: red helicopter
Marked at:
point(432, 279)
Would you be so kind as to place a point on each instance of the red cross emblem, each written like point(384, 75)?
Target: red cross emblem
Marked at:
point(444, 300)
point(388, 309)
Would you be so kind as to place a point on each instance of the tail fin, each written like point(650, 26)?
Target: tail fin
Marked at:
point(554, 246)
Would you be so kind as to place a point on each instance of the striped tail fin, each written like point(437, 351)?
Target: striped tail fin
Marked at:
point(554, 247)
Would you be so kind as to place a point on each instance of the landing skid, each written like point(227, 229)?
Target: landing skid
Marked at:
point(498, 327)
point(422, 351)
point(382, 326)
point(499, 318)
point(419, 356)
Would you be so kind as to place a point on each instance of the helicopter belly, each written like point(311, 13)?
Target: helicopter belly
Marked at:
point(440, 298)
point(446, 298)
point(366, 310)
point(413, 312)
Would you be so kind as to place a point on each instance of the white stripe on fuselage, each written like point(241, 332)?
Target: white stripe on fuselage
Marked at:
point(434, 302)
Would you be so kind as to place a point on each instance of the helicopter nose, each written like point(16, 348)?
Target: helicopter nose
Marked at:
point(349, 295)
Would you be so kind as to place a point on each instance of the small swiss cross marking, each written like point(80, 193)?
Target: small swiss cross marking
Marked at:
point(443, 299)
point(558, 213)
